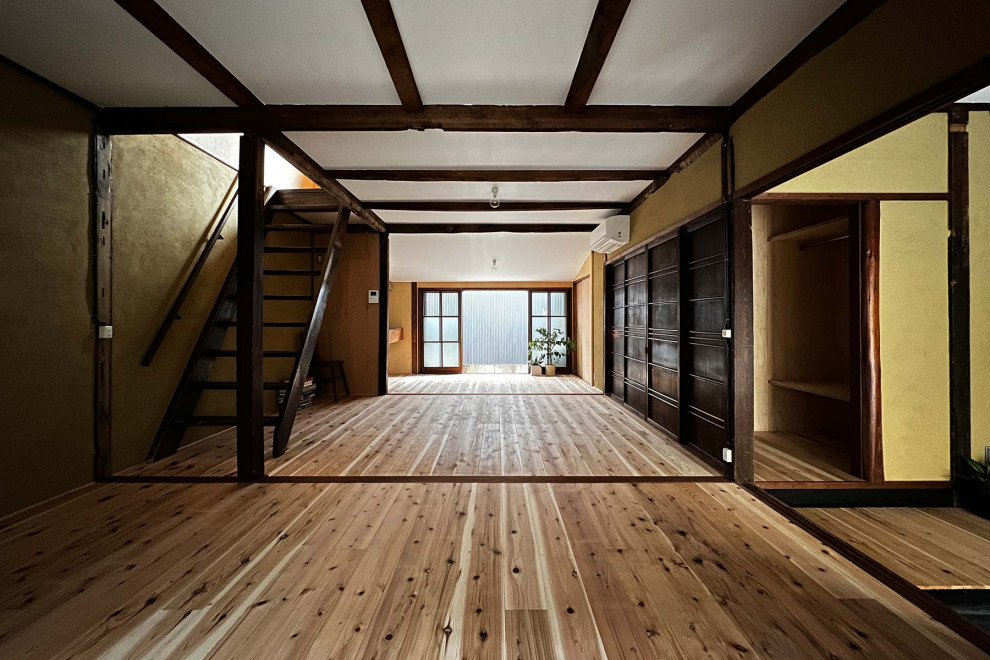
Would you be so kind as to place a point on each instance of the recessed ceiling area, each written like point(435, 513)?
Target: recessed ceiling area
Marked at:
point(436, 149)
point(293, 51)
point(505, 52)
point(97, 51)
point(468, 257)
point(663, 49)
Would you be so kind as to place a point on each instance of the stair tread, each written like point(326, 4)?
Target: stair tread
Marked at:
point(225, 420)
point(290, 271)
point(291, 249)
point(229, 352)
point(298, 227)
point(272, 324)
point(230, 385)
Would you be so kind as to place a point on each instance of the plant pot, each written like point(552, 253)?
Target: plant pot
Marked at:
point(535, 370)
point(550, 369)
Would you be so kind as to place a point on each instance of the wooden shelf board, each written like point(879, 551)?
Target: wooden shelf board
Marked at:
point(394, 335)
point(834, 228)
point(827, 388)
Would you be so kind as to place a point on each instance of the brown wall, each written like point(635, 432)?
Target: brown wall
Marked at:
point(400, 316)
point(350, 330)
point(46, 332)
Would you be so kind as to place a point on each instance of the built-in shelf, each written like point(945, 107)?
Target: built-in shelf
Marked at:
point(822, 231)
point(394, 335)
point(826, 388)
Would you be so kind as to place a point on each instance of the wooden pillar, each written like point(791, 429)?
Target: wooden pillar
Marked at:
point(739, 219)
point(383, 314)
point(959, 349)
point(250, 301)
point(415, 328)
point(103, 301)
point(867, 332)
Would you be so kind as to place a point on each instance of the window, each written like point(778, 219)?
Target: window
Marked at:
point(548, 310)
point(441, 330)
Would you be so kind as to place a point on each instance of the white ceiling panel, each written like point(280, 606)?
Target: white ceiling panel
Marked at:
point(701, 52)
point(982, 96)
point(455, 150)
point(292, 51)
point(591, 217)
point(592, 191)
point(468, 257)
point(95, 49)
point(504, 52)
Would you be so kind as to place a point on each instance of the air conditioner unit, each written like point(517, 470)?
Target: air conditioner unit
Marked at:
point(611, 234)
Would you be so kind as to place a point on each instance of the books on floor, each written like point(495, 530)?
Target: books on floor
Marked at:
point(307, 397)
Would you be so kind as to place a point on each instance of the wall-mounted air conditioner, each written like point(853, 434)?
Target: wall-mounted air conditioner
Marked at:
point(611, 234)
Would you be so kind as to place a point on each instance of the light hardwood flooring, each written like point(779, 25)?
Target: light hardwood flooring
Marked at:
point(455, 435)
point(488, 384)
point(438, 570)
point(932, 548)
point(781, 456)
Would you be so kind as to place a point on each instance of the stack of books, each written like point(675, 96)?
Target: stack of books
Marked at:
point(308, 394)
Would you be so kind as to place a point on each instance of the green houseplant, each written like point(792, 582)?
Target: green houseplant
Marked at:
point(549, 347)
point(974, 488)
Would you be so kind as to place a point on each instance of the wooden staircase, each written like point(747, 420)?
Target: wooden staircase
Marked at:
point(210, 346)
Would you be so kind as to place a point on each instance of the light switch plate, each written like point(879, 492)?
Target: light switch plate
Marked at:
point(373, 296)
point(105, 332)
point(726, 454)
point(727, 334)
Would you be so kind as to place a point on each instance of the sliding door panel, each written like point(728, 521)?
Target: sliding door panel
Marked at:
point(664, 335)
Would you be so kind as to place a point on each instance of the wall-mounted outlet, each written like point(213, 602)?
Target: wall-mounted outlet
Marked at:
point(105, 332)
point(726, 454)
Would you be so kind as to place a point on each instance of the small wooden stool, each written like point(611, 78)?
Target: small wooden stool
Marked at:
point(335, 371)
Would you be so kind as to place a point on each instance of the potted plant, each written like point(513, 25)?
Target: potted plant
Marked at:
point(534, 365)
point(974, 487)
point(548, 348)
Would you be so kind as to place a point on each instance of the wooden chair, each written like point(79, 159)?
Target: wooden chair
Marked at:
point(334, 370)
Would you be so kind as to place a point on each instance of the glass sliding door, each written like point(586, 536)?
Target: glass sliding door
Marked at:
point(441, 332)
point(495, 325)
point(549, 310)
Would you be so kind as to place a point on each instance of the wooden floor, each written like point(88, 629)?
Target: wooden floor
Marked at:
point(488, 384)
point(438, 570)
point(933, 548)
point(461, 435)
point(780, 456)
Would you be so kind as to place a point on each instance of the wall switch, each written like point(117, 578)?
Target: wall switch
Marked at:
point(372, 296)
point(105, 332)
point(726, 454)
point(727, 334)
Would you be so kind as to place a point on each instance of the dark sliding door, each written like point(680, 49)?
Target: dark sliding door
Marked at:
point(667, 359)
point(705, 362)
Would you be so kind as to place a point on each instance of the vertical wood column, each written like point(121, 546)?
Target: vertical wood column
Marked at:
point(383, 314)
point(739, 219)
point(415, 328)
point(959, 348)
point(867, 265)
point(102, 301)
point(250, 301)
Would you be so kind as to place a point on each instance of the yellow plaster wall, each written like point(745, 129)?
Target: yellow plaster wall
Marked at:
point(46, 332)
point(901, 49)
point(979, 259)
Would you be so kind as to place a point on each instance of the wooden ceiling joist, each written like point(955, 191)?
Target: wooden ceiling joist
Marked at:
point(311, 200)
point(604, 26)
point(474, 118)
point(386, 30)
point(410, 228)
point(496, 176)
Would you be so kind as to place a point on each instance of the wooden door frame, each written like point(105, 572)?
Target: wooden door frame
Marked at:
point(460, 333)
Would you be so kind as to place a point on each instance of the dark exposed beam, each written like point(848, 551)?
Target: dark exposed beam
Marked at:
point(841, 21)
point(250, 305)
point(496, 176)
point(309, 167)
point(960, 393)
point(604, 26)
point(382, 20)
point(481, 118)
point(471, 207)
point(161, 24)
point(410, 228)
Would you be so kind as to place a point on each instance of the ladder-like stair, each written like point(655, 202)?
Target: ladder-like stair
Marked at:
point(181, 412)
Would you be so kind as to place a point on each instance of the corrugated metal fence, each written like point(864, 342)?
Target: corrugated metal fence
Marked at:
point(495, 327)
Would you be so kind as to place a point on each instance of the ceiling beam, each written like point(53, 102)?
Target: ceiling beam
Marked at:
point(480, 118)
point(382, 20)
point(484, 206)
point(161, 24)
point(310, 168)
point(604, 26)
point(404, 228)
point(833, 28)
point(496, 176)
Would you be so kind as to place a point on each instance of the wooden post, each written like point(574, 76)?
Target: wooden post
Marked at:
point(103, 301)
point(250, 368)
point(383, 313)
point(959, 357)
point(868, 331)
point(415, 328)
